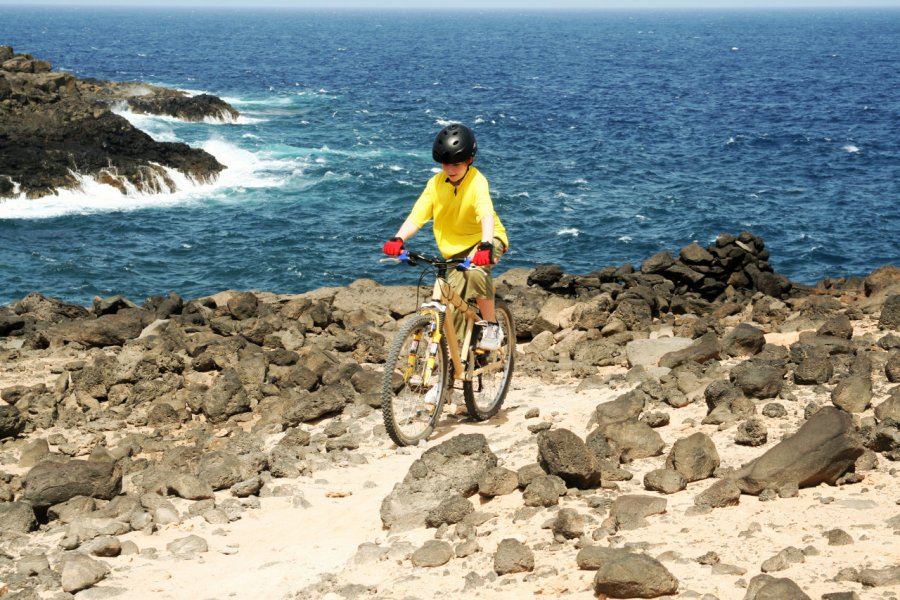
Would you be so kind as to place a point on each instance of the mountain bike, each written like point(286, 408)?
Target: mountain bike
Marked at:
point(427, 360)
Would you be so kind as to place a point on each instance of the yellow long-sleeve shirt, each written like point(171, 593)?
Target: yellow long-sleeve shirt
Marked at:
point(457, 211)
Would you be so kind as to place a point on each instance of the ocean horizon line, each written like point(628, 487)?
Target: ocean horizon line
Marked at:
point(180, 6)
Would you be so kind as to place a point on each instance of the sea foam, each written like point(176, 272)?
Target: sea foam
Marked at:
point(243, 170)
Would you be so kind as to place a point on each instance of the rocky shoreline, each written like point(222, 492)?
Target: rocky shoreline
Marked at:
point(55, 128)
point(720, 382)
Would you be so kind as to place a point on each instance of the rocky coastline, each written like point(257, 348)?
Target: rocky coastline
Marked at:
point(55, 128)
point(722, 383)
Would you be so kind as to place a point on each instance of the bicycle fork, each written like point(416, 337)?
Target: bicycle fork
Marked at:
point(430, 362)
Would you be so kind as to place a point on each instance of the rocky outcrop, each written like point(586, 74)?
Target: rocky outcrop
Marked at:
point(150, 414)
point(55, 128)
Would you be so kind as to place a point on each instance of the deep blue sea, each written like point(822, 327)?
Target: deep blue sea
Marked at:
point(606, 137)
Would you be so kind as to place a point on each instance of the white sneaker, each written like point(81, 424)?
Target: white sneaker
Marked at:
point(432, 396)
point(431, 399)
point(491, 336)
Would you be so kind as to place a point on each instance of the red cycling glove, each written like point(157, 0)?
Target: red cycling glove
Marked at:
point(484, 255)
point(394, 246)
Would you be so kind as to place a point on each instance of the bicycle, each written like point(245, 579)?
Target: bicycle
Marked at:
point(417, 375)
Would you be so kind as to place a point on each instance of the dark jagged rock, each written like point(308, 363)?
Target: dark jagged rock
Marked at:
point(820, 452)
point(562, 453)
point(50, 482)
point(193, 108)
point(53, 125)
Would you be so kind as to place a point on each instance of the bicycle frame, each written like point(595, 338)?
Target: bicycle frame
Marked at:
point(446, 301)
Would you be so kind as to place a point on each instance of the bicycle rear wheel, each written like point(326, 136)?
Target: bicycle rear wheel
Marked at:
point(485, 391)
point(412, 394)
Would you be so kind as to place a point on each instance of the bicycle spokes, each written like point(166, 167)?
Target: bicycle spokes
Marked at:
point(414, 381)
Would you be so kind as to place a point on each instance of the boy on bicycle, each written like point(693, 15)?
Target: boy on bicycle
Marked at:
point(458, 199)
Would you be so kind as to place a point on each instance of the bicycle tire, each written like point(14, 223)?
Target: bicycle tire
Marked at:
point(407, 417)
point(484, 393)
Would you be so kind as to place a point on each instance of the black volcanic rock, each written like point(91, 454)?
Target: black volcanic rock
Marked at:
point(53, 125)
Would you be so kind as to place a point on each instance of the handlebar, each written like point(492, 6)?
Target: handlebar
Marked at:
point(413, 258)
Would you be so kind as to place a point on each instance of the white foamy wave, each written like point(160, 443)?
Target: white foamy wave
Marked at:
point(521, 195)
point(245, 170)
point(850, 149)
point(249, 170)
point(625, 238)
point(274, 101)
point(161, 125)
point(227, 119)
point(92, 196)
point(157, 127)
point(571, 231)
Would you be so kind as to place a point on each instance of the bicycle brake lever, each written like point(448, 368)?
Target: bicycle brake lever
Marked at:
point(464, 265)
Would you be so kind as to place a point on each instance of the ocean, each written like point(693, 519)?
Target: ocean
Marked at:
point(606, 137)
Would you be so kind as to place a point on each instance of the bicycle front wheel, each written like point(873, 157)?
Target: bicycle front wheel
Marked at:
point(491, 372)
point(413, 388)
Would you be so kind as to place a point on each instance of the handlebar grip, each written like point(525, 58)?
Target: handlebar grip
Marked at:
point(404, 256)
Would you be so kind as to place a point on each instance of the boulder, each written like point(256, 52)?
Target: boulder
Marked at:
point(664, 481)
point(757, 379)
point(569, 524)
point(450, 511)
point(498, 481)
point(302, 406)
point(744, 340)
point(17, 517)
point(635, 439)
point(630, 511)
point(626, 407)
point(451, 467)
point(564, 454)
point(544, 490)
point(105, 330)
point(226, 397)
point(724, 492)
point(813, 370)
point(694, 457)
point(890, 314)
point(703, 349)
point(512, 556)
point(52, 482)
point(766, 587)
point(889, 409)
point(433, 553)
point(838, 326)
point(819, 452)
point(880, 577)
point(648, 352)
point(853, 394)
point(630, 575)
point(79, 572)
point(12, 423)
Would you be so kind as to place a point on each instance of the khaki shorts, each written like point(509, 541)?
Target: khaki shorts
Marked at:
point(474, 283)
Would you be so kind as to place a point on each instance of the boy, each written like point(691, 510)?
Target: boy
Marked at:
point(458, 199)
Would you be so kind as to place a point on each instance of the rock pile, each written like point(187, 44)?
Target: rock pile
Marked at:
point(55, 126)
point(209, 404)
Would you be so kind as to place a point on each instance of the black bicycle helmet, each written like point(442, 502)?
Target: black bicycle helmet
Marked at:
point(454, 143)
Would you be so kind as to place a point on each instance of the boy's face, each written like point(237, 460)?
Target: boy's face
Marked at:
point(456, 171)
